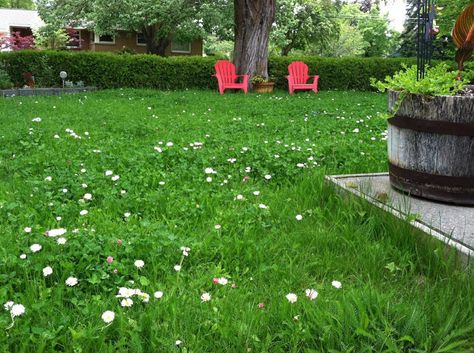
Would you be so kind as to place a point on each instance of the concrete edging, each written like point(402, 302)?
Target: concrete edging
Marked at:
point(424, 227)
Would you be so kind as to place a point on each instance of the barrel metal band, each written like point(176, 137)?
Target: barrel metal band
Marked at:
point(433, 126)
point(433, 179)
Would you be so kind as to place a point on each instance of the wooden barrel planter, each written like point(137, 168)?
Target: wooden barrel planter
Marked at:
point(431, 147)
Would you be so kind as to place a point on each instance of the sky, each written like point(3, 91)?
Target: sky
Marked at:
point(396, 12)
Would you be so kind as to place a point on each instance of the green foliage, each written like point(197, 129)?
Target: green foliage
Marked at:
point(339, 73)
point(447, 13)
point(157, 20)
point(360, 33)
point(438, 81)
point(261, 79)
point(50, 37)
point(17, 4)
point(107, 70)
point(399, 293)
point(5, 81)
point(301, 23)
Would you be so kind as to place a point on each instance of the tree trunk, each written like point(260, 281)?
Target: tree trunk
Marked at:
point(253, 22)
point(155, 44)
point(285, 50)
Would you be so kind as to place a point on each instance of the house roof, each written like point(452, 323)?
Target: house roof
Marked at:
point(19, 18)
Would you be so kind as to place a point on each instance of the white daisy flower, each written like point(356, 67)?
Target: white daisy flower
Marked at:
point(115, 177)
point(8, 305)
point(222, 281)
point(55, 232)
point(299, 217)
point(27, 229)
point(311, 293)
point(205, 297)
point(177, 268)
point(126, 303)
point(108, 173)
point(158, 294)
point(17, 310)
point(292, 297)
point(139, 263)
point(61, 241)
point(87, 196)
point(71, 281)
point(35, 247)
point(125, 292)
point(83, 212)
point(336, 284)
point(47, 271)
point(108, 316)
point(185, 250)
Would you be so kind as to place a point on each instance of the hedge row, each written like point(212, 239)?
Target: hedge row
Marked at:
point(108, 70)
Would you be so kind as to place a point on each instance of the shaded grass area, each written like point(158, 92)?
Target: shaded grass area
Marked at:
point(399, 292)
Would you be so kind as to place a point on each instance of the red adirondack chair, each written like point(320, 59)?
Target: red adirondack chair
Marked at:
point(227, 78)
point(298, 77)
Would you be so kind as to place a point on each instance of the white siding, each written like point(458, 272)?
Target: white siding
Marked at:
point(19, 18)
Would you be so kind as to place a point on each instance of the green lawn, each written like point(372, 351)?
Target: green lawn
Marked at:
point(227, 177)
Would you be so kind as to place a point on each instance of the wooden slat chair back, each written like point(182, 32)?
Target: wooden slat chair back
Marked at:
point(227, 78)
point(298, 78)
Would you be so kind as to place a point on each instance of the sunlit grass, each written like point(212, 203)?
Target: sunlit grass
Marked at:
point(400, 292)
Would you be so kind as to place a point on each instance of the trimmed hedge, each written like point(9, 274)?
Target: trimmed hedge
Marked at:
point(109, 70)
point(340, 73)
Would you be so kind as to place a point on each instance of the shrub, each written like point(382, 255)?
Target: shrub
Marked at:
point(5, 81)
point(438, 81)
point(109, 70)
point(340, 73)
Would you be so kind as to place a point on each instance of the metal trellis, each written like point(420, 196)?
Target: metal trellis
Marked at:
point(425, 35)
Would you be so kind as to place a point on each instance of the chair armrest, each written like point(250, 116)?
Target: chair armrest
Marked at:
point(245, 80)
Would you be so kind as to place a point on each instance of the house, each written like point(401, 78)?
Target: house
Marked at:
point(23, 21)
point(27, 21)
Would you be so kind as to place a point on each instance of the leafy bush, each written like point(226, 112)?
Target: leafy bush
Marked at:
point(108, 70)
point(438, 80)
point(340, 73)
point(5, 81)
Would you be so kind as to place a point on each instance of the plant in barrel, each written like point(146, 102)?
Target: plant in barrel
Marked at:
point(431, 126)
point(463, 36)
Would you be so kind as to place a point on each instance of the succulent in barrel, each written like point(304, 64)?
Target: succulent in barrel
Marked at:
point(463, 36)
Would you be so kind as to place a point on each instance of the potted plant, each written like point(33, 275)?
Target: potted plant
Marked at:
point(261, 84)
point(431, 130)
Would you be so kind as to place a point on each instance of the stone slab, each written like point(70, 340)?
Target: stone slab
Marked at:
point(452, 224)
point(22, 92)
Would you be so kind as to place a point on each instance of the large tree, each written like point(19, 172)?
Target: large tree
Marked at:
point(253, 21)
point(300, 23)
point(157, 20)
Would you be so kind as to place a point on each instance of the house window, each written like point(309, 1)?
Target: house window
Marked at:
point(141, 39)
point(104, 39)
point(24, 31)
point(181, 47)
